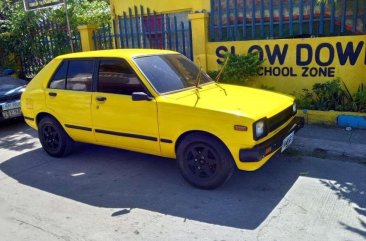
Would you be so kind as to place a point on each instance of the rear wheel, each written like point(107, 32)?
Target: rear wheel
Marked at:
point(55, 141)
point(204, 161)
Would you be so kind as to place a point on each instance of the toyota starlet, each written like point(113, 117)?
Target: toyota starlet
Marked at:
point(158, 102)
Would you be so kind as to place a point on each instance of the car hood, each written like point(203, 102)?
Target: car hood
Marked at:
point(11, 86)
point(244, 101)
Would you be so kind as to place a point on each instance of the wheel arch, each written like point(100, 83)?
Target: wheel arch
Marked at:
point(41, 115)
point(200, 132)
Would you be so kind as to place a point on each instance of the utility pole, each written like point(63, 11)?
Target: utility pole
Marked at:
point(68, 26)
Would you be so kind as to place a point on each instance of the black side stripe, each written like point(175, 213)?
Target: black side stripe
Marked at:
point(78, 127)
point(166, 140)
point(149, 138)
point(28, 118)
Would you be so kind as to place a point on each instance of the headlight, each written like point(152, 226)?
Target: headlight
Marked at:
point(260, 129)
point(294, 107)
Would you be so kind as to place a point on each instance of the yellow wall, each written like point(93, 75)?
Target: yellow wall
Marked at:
point(118, 6)
point(327, 51)
point(298, 73)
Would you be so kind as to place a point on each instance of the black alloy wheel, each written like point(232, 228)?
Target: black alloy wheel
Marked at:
point(55, 141)
point(204, 161)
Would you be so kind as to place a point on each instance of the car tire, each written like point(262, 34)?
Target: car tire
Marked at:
point(55, 141)
point(204, 161)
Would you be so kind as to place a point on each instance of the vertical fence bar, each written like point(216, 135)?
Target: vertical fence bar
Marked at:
point(163, 31)
point(137, 27)
point(301, 15)
point(253, 19)
point(291, 15)
point(95, 40)
point(104, 36)
point(244, 19)
point(311, 21)
point(236, 16)
point(220, 20)
point(110, 36)
point(280, 13)
point(176, 34)
point(190, 40)
point(126, 29)
point(344, 12)
point(332, 17)
point(115, 33)
point(183, 38)
point(121, 44)
point(131, 27)
point(262, 18)
point(271, 34)
point(355, 16)
point(149, 25)
point(321, 23)
point(364, 16)
point(156, 36)
point(143, 29)
point(212, 20)
point(169, 33)
point(228, 25)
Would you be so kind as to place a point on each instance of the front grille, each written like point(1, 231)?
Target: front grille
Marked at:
point(8, 98)
point(277, 120)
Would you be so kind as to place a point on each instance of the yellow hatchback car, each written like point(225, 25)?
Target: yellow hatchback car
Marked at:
point(158, 102)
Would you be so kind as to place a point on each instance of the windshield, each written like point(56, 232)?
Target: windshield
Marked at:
point(170, 72)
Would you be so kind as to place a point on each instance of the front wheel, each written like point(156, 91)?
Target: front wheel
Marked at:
point(204, 161)
point(55, 141)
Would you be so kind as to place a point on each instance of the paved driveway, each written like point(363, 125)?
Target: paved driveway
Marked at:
point(100, 193)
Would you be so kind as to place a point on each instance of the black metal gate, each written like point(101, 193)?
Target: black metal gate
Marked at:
point(140, 29)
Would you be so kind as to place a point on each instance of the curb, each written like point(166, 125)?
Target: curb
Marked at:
point(320, 148)
point(334, 118)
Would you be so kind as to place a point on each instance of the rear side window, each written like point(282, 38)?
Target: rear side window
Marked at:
point(59, 78)
point(80, 75)
point(117, 77)
point(74, 75)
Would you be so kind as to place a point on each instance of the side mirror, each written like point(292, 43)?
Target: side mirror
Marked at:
point(139, 96)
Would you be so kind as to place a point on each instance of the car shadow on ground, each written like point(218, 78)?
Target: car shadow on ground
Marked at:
point(112, 178)
point(16, 136)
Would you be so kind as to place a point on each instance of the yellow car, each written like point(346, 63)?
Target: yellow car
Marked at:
point(158, 102)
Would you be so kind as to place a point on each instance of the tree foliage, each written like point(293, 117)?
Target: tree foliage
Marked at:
point(18, 28)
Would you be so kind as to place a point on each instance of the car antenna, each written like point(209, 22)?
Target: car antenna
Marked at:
point(219, 75)
point(198, 78)
point(222, 69)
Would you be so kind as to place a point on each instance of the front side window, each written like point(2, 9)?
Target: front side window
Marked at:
point(117, 77)
point(170, 72)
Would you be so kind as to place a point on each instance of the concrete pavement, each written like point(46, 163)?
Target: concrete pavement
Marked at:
point(100, 193)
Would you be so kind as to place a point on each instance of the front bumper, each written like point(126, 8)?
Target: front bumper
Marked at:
point(260, 151)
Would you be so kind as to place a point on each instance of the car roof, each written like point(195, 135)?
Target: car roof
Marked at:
point(116, 53)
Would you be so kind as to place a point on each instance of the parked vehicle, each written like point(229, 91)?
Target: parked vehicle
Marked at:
point(10, 91)
point(158, 102)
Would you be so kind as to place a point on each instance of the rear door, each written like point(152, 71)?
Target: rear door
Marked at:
point(69, 97)
point(117, 119)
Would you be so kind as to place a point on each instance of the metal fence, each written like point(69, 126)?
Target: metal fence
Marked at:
point(140, 29)
point(266, 19)
point(47, 41)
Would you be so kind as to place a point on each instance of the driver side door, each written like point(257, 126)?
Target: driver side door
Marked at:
point(118, 120)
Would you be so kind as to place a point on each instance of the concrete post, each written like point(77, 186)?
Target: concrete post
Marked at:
point(86, 35)
point(199, 37)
